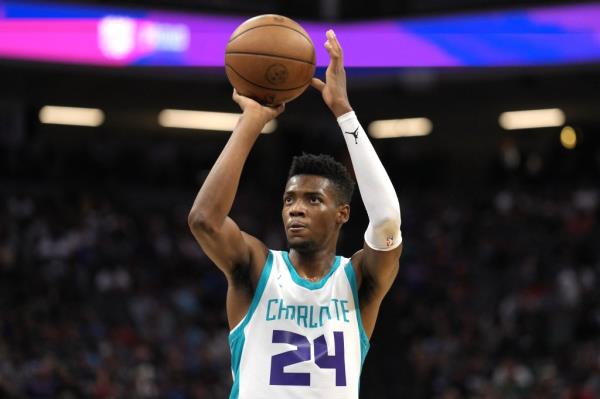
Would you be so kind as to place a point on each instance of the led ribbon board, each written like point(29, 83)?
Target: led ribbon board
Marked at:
point(97, 35)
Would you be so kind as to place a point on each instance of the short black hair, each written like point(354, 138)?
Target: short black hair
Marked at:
point(325, 166)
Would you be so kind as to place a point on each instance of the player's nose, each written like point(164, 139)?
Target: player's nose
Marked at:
point(297, 209)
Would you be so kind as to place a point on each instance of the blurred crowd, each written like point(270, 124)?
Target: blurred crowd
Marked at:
point(98, 302)
point(108, 296)
point(497, 298)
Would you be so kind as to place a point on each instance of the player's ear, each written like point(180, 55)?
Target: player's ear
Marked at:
point(343, 213)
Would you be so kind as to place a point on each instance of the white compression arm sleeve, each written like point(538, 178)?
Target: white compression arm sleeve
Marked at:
point(376, 189)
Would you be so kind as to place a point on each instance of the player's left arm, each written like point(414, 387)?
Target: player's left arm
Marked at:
point(377, 264)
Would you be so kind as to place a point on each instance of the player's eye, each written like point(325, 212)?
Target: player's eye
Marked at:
point(287, 200)
point(315, 200)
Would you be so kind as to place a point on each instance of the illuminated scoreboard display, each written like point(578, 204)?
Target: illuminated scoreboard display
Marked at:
point(96, 35)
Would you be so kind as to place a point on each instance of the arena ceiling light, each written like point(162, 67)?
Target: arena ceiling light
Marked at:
point(76, 116)
point(409, 127)
point(531, 119)
point(568, 137)
point(204, 120)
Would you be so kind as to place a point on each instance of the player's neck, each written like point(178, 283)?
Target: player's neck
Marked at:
point(313, 265)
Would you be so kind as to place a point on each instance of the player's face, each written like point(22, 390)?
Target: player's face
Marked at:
point(311, 215)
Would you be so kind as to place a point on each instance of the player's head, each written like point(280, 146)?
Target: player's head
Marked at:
point(316, 201)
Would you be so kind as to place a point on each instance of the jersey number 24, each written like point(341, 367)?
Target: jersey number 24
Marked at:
point(302, 353)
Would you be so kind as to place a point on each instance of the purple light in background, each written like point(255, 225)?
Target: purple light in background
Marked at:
point(209, 36)
point(376, 43)
point(66, 40)
point(584, 18)
point(542, 36)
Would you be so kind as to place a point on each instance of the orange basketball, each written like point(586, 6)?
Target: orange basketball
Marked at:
point(270, 58)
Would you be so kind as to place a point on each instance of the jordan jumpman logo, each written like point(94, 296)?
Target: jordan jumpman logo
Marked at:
point(354, 134)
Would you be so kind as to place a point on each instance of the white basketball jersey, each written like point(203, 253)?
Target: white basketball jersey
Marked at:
point(299, 339)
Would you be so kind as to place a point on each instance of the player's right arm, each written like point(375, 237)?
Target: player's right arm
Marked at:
point(219, 236)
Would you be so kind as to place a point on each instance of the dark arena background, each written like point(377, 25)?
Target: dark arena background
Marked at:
point(105, 294)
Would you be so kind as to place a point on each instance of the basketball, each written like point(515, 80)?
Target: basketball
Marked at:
point(270, 58)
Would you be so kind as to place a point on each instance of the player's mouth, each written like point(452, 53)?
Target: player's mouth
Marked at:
point(296, 227)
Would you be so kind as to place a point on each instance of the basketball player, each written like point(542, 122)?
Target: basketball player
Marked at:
point(301, 320)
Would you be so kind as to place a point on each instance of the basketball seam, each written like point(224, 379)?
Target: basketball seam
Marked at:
point(270, 55)
point(262, 26)
point(265, 87)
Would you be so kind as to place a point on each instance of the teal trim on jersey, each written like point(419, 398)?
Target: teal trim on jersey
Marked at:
point(236, 336)
point(311, 285)
point(364, 340)
point(236, 346)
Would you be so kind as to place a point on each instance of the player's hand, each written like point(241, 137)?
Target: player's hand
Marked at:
point(253, 108)
point(334, 91)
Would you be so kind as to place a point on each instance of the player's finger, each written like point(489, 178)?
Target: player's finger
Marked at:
point(280, 108)
point(333, 50)
point(330, 44)
point(329, 49)
point(235, 96)
point(336, 44)
point(317, 84)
